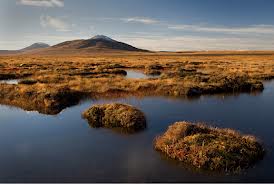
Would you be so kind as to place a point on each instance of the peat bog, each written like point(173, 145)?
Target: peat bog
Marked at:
point(161, 91)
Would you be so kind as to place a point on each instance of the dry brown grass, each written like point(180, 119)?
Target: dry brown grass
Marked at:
point(209, 148)
point(115, 115)
point(182, 74)
point(37, 98)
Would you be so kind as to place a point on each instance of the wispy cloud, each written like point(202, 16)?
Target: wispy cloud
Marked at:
point(42, 3)
point(254, 29)
point(55, 23)
point(251, 29)
point(143, 20)
point(188, 42)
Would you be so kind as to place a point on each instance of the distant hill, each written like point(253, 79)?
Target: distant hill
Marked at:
point(99, 43)
point(9, 52)
point(30, 48)
point(35, 46)
point(96, 44)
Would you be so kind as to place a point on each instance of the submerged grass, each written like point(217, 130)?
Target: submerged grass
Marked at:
point(209, 148)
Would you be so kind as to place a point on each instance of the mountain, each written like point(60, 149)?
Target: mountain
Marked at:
point(35, 46)
point(97, 43)
point(103, 37)
point(30, 48)
point(9, 52)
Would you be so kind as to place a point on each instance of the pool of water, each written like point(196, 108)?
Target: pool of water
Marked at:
point(10, 81)
point(132, 74)
point(63, 148)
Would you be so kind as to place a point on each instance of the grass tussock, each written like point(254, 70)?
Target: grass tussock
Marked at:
point(38, 98)
point(115, 116)
point(209, 148)
point(153, 69)
point(27, 81)
point(153, 72)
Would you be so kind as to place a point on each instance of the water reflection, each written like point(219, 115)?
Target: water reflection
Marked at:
point(132, 74)
point(63, 148)
point(10, 81)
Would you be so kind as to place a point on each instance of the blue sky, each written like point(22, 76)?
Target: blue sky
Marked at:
point(149, 24)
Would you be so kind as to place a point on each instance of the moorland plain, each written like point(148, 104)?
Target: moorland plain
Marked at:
point(48, 84)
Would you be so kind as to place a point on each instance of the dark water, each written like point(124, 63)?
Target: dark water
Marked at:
point(63, 148)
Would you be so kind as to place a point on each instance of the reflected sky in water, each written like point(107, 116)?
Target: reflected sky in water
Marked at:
point(63, 148)
point(131, 74)
point(10, 81)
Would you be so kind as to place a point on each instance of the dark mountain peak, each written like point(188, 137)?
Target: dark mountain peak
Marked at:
point(104, 42)
point(41, 44)
point(102, 37)
point(98, 43)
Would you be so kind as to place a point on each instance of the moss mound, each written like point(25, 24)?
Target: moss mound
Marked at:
point(153, 72)
point(27, 81)
point(154, 67)
point(209, 148)
point(115, 115)
point(119, 72)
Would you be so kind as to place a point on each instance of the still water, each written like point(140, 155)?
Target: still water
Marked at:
point(131, 74)
point(10, 81)
point(63, 148)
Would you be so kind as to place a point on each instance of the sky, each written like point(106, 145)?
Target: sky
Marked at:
point(162, 25)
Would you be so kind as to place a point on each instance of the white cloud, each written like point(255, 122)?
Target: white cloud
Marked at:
point(143, 20)
point(55, 23)
point(254, 29)
point(251, 29)
point(180, 43)
point(42, 3)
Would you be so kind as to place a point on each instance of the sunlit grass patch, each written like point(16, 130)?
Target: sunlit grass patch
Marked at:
point(209, 148)
point(115, 115)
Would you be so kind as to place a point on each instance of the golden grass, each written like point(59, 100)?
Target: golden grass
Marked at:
point(115, 115)
point(182, 74)
point(209, 148)
point(36, 97)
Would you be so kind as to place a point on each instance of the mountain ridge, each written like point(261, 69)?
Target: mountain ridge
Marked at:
point(32, 47)
point(97, 43)
point(38, 45)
